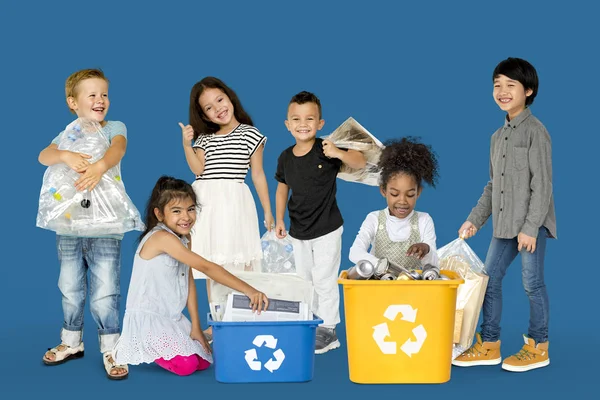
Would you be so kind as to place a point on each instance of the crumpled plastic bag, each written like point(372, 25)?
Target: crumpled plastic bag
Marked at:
point(351, 135)
point(105, 210)
point(457, 256)
point(278, 254)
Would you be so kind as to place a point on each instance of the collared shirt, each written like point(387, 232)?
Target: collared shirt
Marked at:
point(519, 193)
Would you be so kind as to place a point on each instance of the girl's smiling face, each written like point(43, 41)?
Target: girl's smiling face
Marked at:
point(401, 193)
point(217, 107)
point(179, 215)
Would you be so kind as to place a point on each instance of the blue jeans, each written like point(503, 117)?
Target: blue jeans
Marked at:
point(101, 257)
point(500, 255)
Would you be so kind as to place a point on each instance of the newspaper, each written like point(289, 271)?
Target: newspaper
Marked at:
point(353, 136)
point(238, 309)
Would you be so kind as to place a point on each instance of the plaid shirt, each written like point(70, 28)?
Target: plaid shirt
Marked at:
point(519, 193)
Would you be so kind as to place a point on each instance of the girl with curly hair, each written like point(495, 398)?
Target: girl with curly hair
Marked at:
point(399, 233)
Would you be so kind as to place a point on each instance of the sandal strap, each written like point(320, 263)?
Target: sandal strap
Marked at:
point(55, 349)
point(62, 354)
point(111, 364)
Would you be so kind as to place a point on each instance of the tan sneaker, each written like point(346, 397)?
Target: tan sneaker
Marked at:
point(481, 353)
point(531, 356)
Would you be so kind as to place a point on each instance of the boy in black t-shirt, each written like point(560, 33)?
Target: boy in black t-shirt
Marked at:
point(309, 169)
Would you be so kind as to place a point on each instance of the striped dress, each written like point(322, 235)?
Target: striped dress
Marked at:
point(227, 229)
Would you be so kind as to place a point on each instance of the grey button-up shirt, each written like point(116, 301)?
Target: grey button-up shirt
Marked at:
point(519, 193)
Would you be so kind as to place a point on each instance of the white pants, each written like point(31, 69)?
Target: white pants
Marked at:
point(318, 261)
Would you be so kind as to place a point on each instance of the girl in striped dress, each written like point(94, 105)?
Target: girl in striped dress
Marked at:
point(221, 145)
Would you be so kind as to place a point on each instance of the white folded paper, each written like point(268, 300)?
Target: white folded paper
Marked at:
point(238, 309)
point(276, 286)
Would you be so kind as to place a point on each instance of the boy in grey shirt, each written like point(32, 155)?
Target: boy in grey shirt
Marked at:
point(519, 198)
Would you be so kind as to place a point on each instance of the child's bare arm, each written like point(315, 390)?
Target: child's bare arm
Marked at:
point(192, 301)
point(193, 156)
point(195, 159)
point(260, 183)
point(352, 158)
point(92, 175)
point(281, 198)
point(192, 306)
point(164, 242)
point(51, 155)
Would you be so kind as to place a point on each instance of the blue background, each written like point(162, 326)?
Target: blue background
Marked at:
point(399, 69)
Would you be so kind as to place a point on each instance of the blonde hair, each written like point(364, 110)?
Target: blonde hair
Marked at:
point(75, 78)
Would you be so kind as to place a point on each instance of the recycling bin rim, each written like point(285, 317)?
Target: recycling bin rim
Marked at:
point(454, 282)
point(315, 321)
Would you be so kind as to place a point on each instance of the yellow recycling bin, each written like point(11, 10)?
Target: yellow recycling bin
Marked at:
point(400, 331)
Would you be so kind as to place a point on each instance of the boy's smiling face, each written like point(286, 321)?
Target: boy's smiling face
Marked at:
point(303, 121)
point(510, 95)
point(91, 99)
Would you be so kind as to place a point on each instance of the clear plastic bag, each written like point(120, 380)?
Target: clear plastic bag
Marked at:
point(457, 256)
point(278, 254)
point(351, 135)
point(105, 210)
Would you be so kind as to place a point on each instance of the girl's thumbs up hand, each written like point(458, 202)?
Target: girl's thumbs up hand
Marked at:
point(188, 134)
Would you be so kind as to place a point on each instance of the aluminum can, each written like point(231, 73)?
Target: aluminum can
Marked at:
point(430, 272)
point(361, 271)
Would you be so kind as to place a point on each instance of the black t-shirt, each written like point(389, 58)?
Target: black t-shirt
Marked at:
point(311, 178)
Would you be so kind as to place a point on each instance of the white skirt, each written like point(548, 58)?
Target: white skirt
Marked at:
point(148, 336)
point(226, 230)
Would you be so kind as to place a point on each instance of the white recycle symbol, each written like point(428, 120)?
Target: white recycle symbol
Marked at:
point(381, 331)
point(252, 357)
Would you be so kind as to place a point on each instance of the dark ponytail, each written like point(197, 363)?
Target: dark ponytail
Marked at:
point(166, 189)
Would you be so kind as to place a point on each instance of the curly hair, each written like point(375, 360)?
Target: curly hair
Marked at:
point(408, 156)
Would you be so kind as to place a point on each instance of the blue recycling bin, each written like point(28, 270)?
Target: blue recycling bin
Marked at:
point(265, 351)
